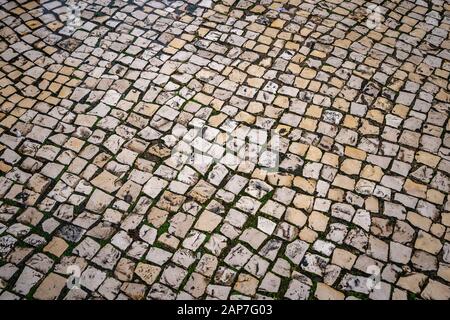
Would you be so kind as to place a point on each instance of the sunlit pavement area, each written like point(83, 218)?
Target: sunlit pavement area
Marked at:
point(234, 149)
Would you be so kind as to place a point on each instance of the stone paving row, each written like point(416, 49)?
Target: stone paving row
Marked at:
point(235, 149)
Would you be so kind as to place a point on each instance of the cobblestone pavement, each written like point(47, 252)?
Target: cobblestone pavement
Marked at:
point(233, 149)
